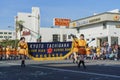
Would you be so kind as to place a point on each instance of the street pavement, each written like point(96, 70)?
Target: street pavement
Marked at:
point(60, 70)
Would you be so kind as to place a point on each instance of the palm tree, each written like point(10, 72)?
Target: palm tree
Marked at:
point(19, 25)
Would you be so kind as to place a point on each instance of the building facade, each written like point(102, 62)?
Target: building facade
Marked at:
point(56, 34)
point(7, 35)
point(31, 30)
point(104, 27)
point(30, 24)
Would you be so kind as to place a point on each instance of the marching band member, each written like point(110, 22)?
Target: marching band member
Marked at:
point(23, 50)
point(75, 50)
point(8, 52)
point(98, 52)
point(82, 50)
point(88, 51)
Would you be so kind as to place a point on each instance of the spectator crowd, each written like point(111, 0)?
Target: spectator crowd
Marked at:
point(105, 51)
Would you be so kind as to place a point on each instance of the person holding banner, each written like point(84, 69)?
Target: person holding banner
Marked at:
point(22, 50)
point(75, 50)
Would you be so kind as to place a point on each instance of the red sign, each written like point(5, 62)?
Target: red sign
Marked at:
point(61, 22)
point(25, 33)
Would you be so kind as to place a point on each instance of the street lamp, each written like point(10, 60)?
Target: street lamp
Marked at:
point(39, 36)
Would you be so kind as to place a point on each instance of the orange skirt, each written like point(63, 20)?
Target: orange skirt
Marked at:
point(82, 51)
point(22, 51)
point(8, 52)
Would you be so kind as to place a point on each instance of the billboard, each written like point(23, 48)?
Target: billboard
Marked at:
point(61, 22)
point(49, 50)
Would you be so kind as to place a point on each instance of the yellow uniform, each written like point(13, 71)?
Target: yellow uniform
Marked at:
point(14, 51)
point(82, 43)
point(23, 48)
point(98, 51)
point(75, 46)
point(88, 51)
point(82, 46)
point(8, 51)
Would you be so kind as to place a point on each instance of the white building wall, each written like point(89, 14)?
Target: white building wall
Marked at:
point(47, 33)
point(8, 36)
point(113, 31)
point(26, 22)
point(94, 31)
point(31, 22)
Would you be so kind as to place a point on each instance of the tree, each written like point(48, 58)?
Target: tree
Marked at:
point(9, 42)
point(19, 26)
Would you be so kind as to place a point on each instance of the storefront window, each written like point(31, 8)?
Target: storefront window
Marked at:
point(101, 41)
point(114, 40)
point(104, 26)
point(69, 36)
point(64, 37)
point(56, 37)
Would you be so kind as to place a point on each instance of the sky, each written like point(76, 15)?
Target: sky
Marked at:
point(49, 9)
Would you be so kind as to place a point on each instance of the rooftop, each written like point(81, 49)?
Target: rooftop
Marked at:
point(113, 15)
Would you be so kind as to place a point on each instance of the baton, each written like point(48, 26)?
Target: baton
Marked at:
point(73, 36)
point(91, 41)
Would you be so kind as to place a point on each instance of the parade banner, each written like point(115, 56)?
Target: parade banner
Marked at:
point(49, 50)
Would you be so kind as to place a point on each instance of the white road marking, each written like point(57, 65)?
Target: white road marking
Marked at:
point(13, 63)
point(1, 62)
point(81, 72)
point(117, 66)
point(9, 63)
point(73, 71)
